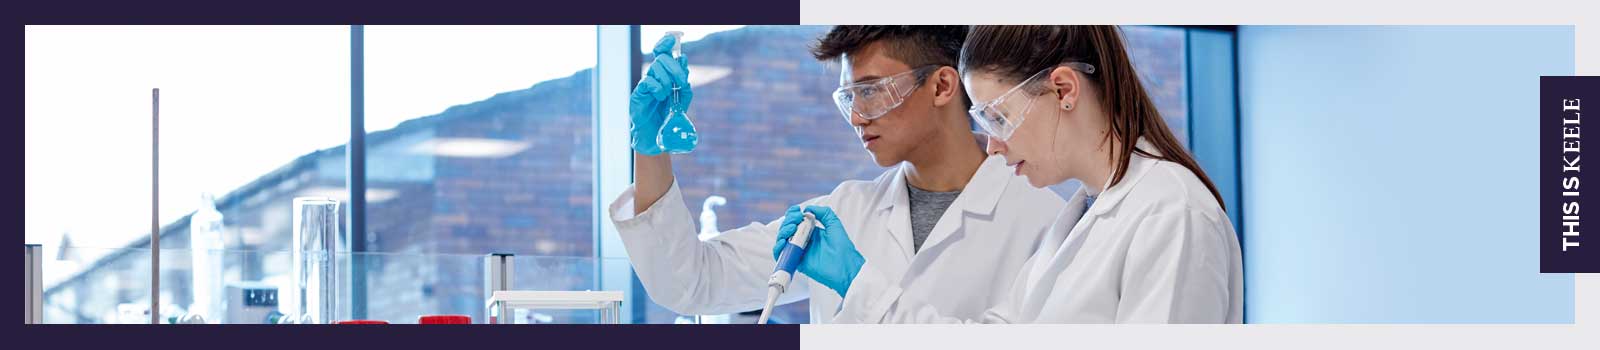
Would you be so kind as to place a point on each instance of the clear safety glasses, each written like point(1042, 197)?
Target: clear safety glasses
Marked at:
point(996, 122)
point(872, 99)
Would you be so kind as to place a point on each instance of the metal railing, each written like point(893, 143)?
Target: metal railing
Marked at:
point(33, 296)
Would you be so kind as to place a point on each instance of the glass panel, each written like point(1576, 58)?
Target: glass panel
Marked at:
point(96, 285)
point(1159, 55)
point(479, 141)
point(116, 289)
point(249, 114)
point(556, 274)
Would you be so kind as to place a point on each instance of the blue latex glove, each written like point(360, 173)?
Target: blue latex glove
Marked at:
point(831, 259)
point(652, 98)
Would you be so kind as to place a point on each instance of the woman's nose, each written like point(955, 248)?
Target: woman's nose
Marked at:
point(996, 146)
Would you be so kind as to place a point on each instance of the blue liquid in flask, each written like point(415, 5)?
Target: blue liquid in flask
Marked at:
point(677, 133)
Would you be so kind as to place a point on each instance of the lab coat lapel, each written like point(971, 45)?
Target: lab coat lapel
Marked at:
point(1137, 166)
point(894, 209)
point(980, 196)
point(1067, 220)
point(1076, 222)
point(1059, 248)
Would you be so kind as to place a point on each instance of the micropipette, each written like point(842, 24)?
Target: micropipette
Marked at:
point(788, 261)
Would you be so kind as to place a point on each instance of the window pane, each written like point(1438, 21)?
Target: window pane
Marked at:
point(248, 117)
point(1158, 55)
point(479, 141)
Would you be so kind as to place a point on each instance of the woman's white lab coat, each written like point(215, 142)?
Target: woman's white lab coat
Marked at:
point(965, 266)
point(1155, 248)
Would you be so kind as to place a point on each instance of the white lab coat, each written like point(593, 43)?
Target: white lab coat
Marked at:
point(1155, 248)
point(965, 267)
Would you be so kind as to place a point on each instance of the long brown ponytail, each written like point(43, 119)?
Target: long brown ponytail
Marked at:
point(1016, 52)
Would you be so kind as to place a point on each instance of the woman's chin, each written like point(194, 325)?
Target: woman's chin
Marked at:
point(1035, 181)
point(1041, 180)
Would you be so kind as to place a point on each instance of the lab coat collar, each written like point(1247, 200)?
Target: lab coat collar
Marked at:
point(894, 207)
point(1138, 165)
point(895, 192)
point(980, 195)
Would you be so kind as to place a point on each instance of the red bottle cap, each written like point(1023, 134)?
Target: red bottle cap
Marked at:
point(444, 319)
point(362, 322)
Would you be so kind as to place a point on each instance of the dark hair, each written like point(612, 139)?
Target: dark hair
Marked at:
point(1017, 52)
point(916, 46)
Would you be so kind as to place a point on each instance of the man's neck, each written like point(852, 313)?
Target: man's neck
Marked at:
point(945, 164)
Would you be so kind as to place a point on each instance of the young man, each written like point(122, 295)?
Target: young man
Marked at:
point(946, 225)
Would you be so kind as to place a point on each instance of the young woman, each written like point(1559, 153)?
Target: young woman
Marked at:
point(1145, 240)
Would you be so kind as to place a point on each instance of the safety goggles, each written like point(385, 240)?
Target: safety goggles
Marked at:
point(874, 98)
point(996, 122)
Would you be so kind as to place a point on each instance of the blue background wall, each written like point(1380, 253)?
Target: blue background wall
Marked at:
point(1389, 173)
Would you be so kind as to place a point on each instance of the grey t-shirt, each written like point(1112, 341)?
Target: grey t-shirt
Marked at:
point(926, 208)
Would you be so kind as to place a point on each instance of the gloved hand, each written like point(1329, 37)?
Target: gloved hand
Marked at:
point(831, 259)
point(652, 98)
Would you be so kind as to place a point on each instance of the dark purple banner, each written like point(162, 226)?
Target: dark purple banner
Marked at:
point(407, 12)
point(1566, 243)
